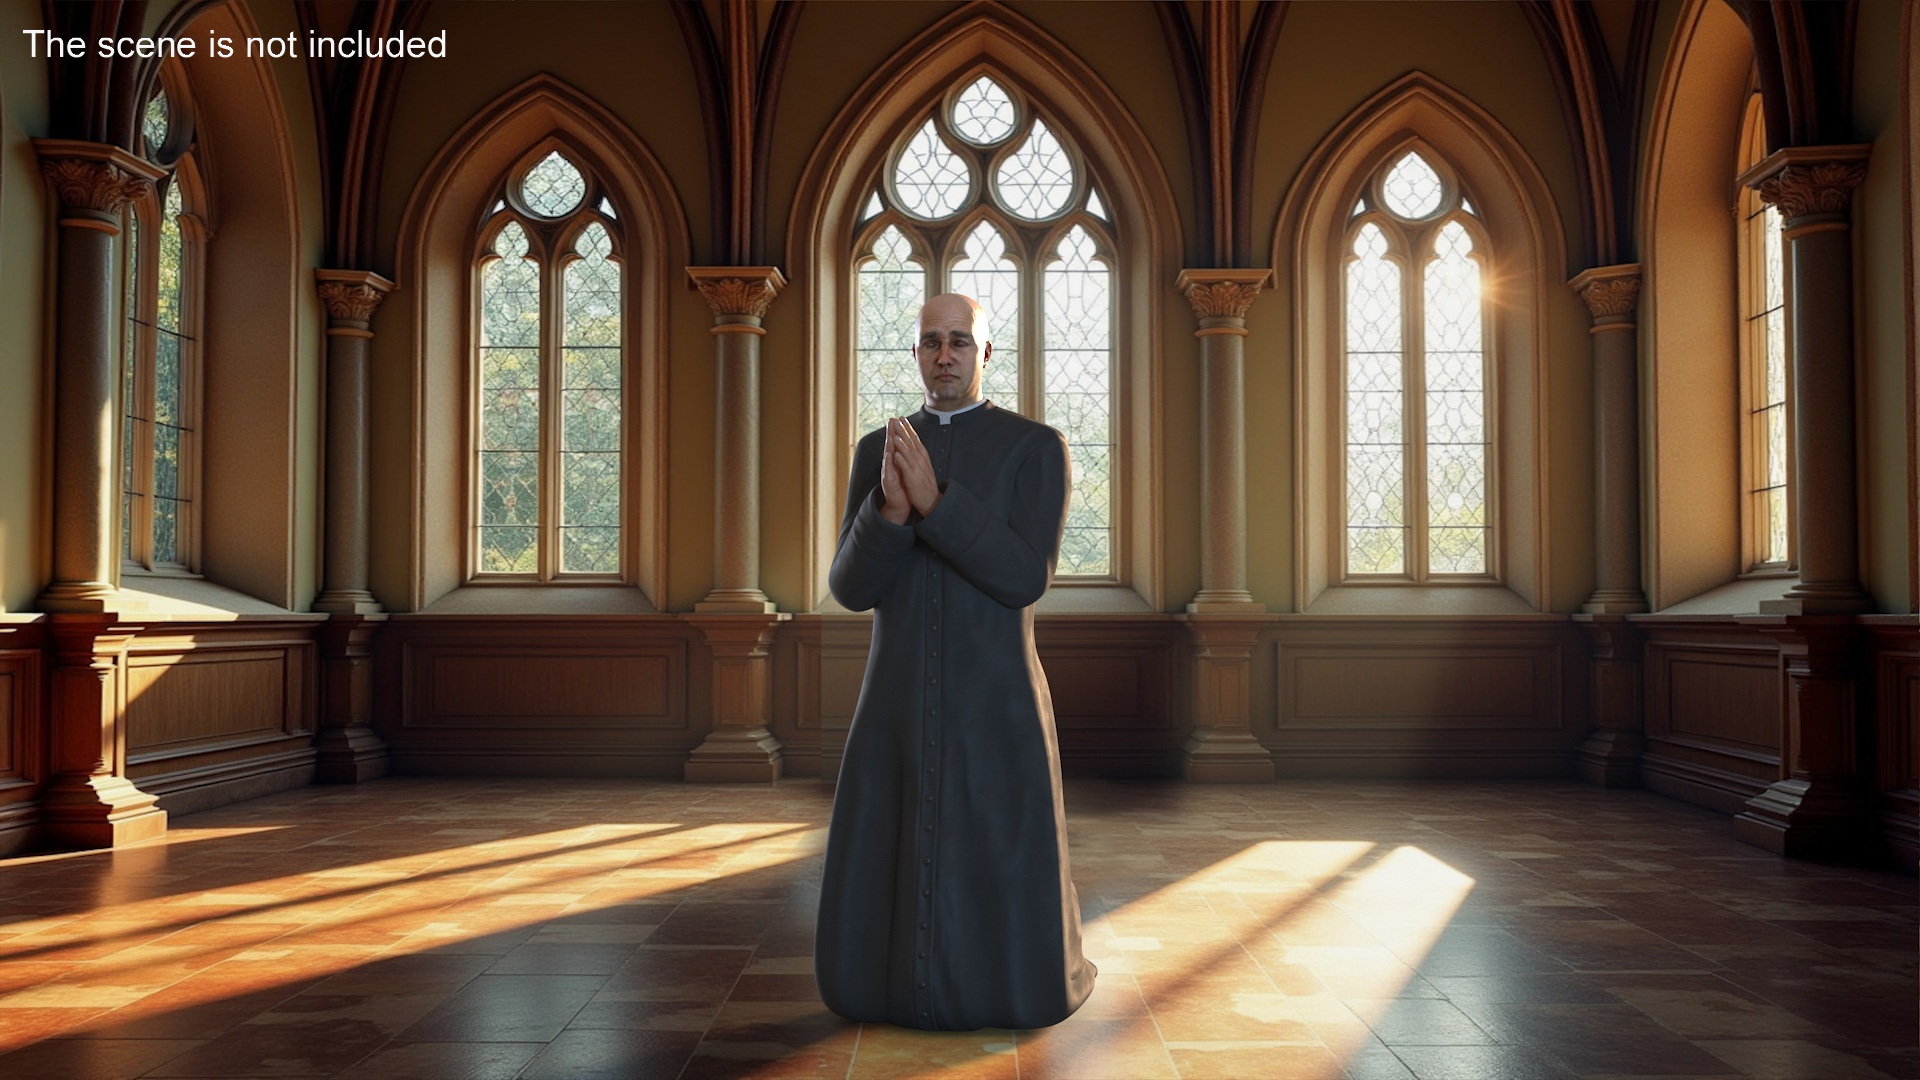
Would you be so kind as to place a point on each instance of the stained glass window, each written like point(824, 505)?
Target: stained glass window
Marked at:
point(159, 272)
point(1417, 441)
point(1764, 306)
point(550, 387)
point(985, 197)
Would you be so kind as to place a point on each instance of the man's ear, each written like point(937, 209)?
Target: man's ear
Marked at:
point(986, 354)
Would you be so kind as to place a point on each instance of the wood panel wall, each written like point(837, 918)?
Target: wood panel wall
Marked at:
point(23, 709)
point(1715, 711)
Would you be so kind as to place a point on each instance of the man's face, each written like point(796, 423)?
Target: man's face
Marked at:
point(951, 357)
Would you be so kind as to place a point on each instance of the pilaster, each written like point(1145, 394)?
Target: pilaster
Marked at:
point(739, 297)
point(348, 750)
point(1610, 756)
point(1222, 749)
point(89, 802)
point(740, 749)
point(351, 297)
point(1220, 299)
point(1813, 188)
point(1819, 807)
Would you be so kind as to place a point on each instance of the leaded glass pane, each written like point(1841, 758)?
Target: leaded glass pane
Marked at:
point(1775, 265)
point(168, 315)
point(606, 207)
point(1036, 181)
point(892, 287)
point(553, 187)
point(590, 410)
point(166, 530)
point(510, 407)
point(1095, 206)
point(1456, 407)
point(131, 409)
point(1375, 429)
point(1412, 188)
point(155, 122)
point(989, 276)
point(1079, 393)
point(874, 207)
point(1776, 508)
point(931, 180)
point(983, 113)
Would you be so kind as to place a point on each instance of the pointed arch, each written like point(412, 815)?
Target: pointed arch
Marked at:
point(828, 212)
point(1689, 309)
point(438, 229)
point(1514, 211)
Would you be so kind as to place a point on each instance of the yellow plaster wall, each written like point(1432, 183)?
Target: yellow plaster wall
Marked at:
point(25, 222)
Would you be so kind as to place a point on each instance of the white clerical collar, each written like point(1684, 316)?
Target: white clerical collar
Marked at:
point(947, 417)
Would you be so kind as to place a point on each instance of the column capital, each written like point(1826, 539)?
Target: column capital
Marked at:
point(1807, 180)
point(1612, 293)
point(351, 295)
point(1221, 293)
point(94, 180)
point(738, 295)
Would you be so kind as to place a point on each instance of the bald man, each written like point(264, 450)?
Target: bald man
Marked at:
point(947, 902)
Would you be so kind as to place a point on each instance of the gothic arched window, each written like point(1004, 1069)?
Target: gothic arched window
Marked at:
point(163, 265)
point(1767, 418)
point(983, 196)
point(1417, 448)
point(548, 378)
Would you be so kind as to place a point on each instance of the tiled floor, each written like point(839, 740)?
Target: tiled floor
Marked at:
point(577, 929)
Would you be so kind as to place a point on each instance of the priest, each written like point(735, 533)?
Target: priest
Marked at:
point(947, 902)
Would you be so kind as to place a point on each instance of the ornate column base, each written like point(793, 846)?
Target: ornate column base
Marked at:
point(84, 812)
point(1818, 600)
point(740, 749)
point(1226, 602)
point(348, 750)
point(735, 602)
point(1820, 808)
point(1222, 749)
point(1615, 602)
point(79, 597)
point(347, 602)
point(89, 802)
point(1610, 756)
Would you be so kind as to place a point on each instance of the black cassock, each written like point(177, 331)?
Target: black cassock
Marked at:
point(947, 901)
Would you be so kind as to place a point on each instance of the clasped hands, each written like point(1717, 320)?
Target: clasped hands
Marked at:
point(907, 482)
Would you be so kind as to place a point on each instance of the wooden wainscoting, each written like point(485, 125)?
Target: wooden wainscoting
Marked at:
point(222, 712)
point(23, 729)
point(1894, 670)
point(819, 662)
point(1715, 710)
point(506, 695)
point(1436, 696)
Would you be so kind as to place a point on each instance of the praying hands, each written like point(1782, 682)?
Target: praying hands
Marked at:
point(907, 482)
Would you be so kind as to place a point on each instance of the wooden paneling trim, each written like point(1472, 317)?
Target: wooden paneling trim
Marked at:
point(23, 731)
point(1895, 685)
point(538, 695)
point(1422, 696)
point(1715, 711)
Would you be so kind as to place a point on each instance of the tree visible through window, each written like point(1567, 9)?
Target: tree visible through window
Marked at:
point(548, 431)
point(1416, 373)
point(161, 264)
point(985, 198)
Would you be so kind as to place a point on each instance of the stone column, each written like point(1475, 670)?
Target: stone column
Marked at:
point(93, 184)
point(351, 297)
point(736, 618)
point(1612, 293)
point(1220, 299)
point(739, 296)
point(1820, 807)
point(1812, 186)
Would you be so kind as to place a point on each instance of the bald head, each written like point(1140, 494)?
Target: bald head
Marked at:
point(951, 349)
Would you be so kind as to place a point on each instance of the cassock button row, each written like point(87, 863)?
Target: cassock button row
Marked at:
point(926, 860)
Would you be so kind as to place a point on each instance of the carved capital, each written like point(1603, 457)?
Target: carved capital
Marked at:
point(1609, 291)
point(351, 295)
point(1807, 180)
point(99, 186)
point(737, 291)
point(1217, 294)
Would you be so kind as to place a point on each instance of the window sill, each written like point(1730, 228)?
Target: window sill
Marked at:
point(1742, 596)
point(517, 599)
point(177, 597)
point(1488, 598)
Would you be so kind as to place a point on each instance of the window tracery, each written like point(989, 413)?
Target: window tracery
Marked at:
point(548, 406)
point(984, 197)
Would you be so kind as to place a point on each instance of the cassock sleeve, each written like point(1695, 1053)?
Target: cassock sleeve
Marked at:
point(1010, 560)
point(871, 549)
